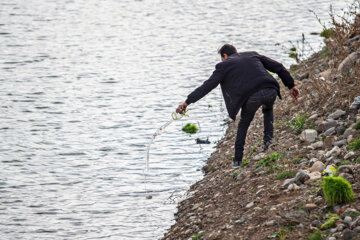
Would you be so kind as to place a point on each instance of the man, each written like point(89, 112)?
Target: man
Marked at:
point(246, 84)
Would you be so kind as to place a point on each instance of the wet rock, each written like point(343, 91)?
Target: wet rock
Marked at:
point(348, 62)
point(301, 177)
point(330, 132)
point(317, 167)
point(340, 143)
point(333, 152)
point(308, 135)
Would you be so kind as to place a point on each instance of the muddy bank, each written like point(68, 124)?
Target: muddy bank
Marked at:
point(277, 194)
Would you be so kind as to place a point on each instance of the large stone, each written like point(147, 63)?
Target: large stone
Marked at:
point(317, 167)
point(337, 114)
point(348, 62)
point(301, 177)
point(329, 123)
point(308, 135)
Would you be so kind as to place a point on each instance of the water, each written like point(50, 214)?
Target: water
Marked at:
point(85, 84)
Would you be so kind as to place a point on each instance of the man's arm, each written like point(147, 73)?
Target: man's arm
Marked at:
point(204, 89)
point(281, 71)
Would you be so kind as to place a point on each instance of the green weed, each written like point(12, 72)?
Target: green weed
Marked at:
point(354, 145)
point(197, 236)
point(315, 236)
point(297, 160)
point(283, 175)
point(337, 190)
point(244, 163)
point(190, 128)
point(330, 223)
point(297, 123)
point(327, 32)
point(234, 175)
point(269, 159)
point(357, 125)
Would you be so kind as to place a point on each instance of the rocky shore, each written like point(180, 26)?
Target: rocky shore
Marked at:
point(277, 194)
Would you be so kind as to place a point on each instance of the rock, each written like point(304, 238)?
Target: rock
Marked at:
point(337, 114)
point(348, 62)
point(357, 229)
point(312, 118)
point(332, 238)
point(346, 176)
point(349, 235)
point(329, 141)
point(350, 138)
point(330, 131)
point(308, 135)
point(340, 143)
point(349, 131)
point(249, 205)
point(316, 223)
point(340, 227)
point(355, 223)
point(345, 169)
point(301, 177)
point(333, 152)
point(310, 206)
point(329, 123)
point(288, 182)
point(314, 176)
point(270, 223)
point(347, 220)
point(326, 74)
point(317, 145)
point(313, 160)
point(340, 130)
point(293, 187)
point(317, 167)
point(356, 103)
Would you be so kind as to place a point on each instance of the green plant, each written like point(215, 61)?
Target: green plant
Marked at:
point(197, 236)
point(297, 123)
point(315, 236)
point(330, 223)
point(327, 32)
point(354, 145)
point(190, 128)
point(283, 175)
point(297, 160)
point(244, 163)
point(269, 159)
point(337, 190)
point(357, 125)
point(234, 175)
point(230, 159)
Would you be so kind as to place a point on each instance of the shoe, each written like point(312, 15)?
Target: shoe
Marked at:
point(236, 164)
point(268, 145)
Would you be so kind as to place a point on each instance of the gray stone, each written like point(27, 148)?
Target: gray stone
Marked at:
point(249, 205)
point(349, 235)
point(347, 220)
point(329, 123)
point(317, 145)
point(317, 167)
point(312, 117)
point(348, 62)
point(288, 182)
point(337, 114)
point(340, 227)
point(330, 131)
point(301, 177)
point(313, 160)
point(316, 223)
point(308, 135)
point(270, 223)
point(345, 169)
point(340, 143)
point(340, 130)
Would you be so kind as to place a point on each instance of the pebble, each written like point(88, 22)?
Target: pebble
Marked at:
point(316, 223)
point(249, 205)
point(332, 238)
point(340, 130)
point(293, 187)
point(310, 206)
point(330, 132)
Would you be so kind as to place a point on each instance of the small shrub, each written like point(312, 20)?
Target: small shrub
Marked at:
point(354, 145)
point(190, 128)
point(331, 222)
point(284, 175)
point(357, 125)
point(230, 159)
point(297, 160)
point(197, 236)
point(244, 163)
point(234, 175)
point(297, 123)
point(337, 190)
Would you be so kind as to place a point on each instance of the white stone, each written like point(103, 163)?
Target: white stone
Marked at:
point(293, 187)
point(333, 152)
point(308, 135)
point(349, 155)
point(249, 205)
point(314, 176)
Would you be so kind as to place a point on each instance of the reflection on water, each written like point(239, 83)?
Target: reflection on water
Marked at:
point(85, 84)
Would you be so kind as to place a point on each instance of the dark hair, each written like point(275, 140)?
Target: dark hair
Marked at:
point(228, 49)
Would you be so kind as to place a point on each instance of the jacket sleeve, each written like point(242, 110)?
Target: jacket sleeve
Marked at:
point(279, 69)
point(207, 86)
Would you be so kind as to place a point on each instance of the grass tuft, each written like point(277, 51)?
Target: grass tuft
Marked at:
point(269, 159)
point(283, 175)
point(197, 236)
point(357, 125)
point(337, 190)
point(331, 222)
point(297, 123)
point(354, 145)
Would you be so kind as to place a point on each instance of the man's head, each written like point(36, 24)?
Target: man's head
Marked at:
point(226, 50)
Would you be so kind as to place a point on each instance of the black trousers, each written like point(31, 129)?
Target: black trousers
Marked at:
point(265, 98)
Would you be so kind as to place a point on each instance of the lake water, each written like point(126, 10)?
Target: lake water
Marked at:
point(85, 84)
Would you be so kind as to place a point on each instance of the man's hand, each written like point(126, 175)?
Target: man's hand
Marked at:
point(181, 107)
point(295, 93)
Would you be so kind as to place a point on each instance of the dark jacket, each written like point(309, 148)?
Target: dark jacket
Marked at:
point(241, 75)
